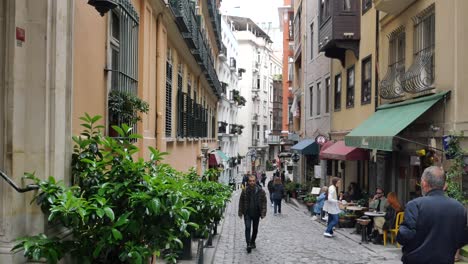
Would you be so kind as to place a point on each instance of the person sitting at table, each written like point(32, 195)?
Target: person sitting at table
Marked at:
point(388, 221)
point(319, 203)
point(378, 202)
point(353, 193)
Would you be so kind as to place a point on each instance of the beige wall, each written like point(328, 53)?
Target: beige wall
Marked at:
point(157, 32)
point(450, 53)
point(347, 119)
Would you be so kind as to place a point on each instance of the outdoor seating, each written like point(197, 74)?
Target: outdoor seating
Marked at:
point(394, 231)
point(363, 222)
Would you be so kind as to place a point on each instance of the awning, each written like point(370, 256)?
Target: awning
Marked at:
point(223, 156)
point(377, 131)
point(339, 151)
point(306, 147)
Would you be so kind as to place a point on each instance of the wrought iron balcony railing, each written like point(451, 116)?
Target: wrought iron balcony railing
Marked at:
point(420, 76)
point(391, 86)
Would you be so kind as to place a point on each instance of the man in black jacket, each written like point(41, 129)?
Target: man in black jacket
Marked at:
point(433, 226)
point(252, 205)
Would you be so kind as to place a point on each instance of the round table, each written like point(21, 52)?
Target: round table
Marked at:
point(355, 208)
point(374, 214)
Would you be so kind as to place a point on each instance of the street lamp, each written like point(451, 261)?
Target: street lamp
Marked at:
point(204, 149)
point(103, 6)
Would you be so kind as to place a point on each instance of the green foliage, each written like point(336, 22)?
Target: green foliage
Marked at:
point(310, 198)
point(121, 210)
point(240, 100)
point(124, 107)
point(211, 174)
point(455, 172)
point(269, 166)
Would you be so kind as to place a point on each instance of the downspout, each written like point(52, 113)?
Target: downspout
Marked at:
point(376, 100)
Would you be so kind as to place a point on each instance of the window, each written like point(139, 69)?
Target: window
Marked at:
point(424, 43)
point(366, 83)
point(169, 93)
point(258, 83)
point(337, 92)
point(327, 95)
point(347, 5)
point(265, 128)
point(181, 99)
point(350, 87)
point(312, 41)
point(319, 97)
point(123, 51)
point(324, 10)
point(258, 132)
point(366, 5)
point(311, 102)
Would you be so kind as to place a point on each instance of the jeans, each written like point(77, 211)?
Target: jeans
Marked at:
point(248, 221)
point(277, 204)
point(332, 221)
point(271, 197)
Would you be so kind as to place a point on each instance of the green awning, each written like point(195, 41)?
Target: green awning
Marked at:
point(377, 131)
point(306, 147)
point(223, 155)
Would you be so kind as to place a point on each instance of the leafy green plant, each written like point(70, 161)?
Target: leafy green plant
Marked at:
point(310, 198)
point(120, 210)
point(211, 174)
point(125, 108)
point(240, 100)
point(455, 172)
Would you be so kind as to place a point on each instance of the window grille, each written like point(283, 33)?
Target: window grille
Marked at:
point(337, 92)
point(350, 87)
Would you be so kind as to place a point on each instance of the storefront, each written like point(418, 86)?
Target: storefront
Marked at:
point(308, 151)
point(395, 134)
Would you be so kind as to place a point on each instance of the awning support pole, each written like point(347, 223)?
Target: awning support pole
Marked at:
point(418, 143)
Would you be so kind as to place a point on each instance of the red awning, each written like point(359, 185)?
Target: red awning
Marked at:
point(339, 151)
point(326, 145)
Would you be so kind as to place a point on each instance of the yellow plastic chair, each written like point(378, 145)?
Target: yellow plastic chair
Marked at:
point(394, 232)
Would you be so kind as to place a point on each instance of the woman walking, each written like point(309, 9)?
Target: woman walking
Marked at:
point(278, 193)
point(331, 206)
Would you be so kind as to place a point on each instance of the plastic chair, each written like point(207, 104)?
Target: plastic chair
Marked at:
point(394, 231)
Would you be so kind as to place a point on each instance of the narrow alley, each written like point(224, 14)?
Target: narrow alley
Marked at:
point(294, 237)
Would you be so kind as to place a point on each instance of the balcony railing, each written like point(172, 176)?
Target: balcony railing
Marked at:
point(274, 139)
point(223, 53)
point(233, 129)
point(391, 86)
point(255, 118)
point(181, 10)
point(215, 18)
point(420, 76)
point(222, 127)
point(255, 142)
point(232, 64)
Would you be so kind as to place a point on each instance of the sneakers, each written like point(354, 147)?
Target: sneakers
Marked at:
point(314, 218)
point(327, 234)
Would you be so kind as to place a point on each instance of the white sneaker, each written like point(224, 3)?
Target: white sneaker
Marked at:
point(314, 218)
point(327, 234)
point(272, 205)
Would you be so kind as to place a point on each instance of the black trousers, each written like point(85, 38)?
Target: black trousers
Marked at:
point(249, 222)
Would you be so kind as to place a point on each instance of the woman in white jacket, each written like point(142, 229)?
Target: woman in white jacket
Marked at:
point(331, 206)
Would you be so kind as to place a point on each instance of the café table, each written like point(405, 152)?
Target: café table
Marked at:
point(374, 214)
point(356, 209)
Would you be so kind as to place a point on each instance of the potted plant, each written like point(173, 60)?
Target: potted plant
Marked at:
point(124, 108)
point(310, 200)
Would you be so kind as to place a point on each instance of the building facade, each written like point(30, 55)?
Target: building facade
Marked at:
point(228, 128)
point(66, 61)
point(254, 57)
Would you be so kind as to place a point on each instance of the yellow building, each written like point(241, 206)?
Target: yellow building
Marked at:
point(165, 54)
point(422, 60)
point(347, 33)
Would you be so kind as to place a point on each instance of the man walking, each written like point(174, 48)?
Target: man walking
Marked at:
point(433, 226)
point(252, 205)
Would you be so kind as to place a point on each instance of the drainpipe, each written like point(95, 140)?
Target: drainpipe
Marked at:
point(376, 100)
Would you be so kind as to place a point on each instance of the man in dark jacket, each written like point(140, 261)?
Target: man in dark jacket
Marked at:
point(252, 205)
point(433, 225)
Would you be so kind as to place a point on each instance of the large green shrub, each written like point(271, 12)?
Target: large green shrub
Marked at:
point(120, 210)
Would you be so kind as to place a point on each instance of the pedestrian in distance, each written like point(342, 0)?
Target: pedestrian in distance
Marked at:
point(278, 194)
point(264, 177)
point(252, 206)
point(245, 180)
point(331, 206)
point(434, 224)
point(270, 189)
point(283, 177)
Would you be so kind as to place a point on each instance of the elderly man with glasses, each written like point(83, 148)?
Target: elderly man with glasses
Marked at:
point(378, 202)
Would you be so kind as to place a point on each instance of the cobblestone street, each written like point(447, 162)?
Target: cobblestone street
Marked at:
point(294, 237)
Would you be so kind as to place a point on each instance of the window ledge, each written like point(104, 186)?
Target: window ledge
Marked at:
point(169, 139)
point(179, 139)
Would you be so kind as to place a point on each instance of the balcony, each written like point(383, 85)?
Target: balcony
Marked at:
point(392, 7)
point(391, 85)
point(222, 127)
point(224, 88)
point(181, 10)
point(255, 118)
point(232, 64)
point(274, 139)
point(223, 53)
point(215, 20)
point(420, 76)
point(340, 30)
